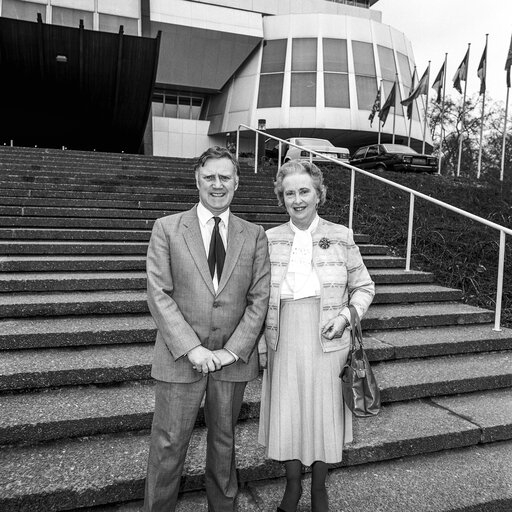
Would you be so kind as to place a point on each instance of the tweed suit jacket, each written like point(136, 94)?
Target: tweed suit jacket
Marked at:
point(185, 307)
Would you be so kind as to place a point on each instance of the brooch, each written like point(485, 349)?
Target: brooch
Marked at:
point(324, 243)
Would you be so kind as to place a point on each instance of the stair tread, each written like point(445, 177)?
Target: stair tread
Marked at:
point(98, 463)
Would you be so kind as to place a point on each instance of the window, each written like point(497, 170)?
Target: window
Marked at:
point(71, 17)
point(366, 77)
point(303, 80)
point(23, 10)
point(272, 74)
point(336, 93)
point(176, 106)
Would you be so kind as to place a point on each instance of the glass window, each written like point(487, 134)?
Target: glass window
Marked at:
point(271, 90)
point(23, 10)
point(109, 23)
point(336, 90)
point(171, 106)
point(303, 90)
point(405, 71)
point(387, 63)
point(335, 55)
point(364, 62)
point(366, 91)
point(183, 107)
point(304, 55)
point(274, 56)
point(71, 17)
point(195, 108)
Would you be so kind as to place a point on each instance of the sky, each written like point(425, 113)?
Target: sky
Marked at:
point(436, 27)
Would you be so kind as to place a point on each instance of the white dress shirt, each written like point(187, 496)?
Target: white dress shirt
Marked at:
point(206, 224)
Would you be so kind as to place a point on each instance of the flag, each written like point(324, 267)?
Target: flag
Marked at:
point(438, 83)
point(482, 69)
point(390, 102)
point(411, 105)
point(461, 73)
point(376, 107)
point(421, 88)
point(509, 63)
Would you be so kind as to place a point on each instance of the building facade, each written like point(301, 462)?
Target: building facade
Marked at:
point(306, 67)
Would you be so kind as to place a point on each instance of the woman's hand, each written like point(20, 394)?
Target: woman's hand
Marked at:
point(334, 328)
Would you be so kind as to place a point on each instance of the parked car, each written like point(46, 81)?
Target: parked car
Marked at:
point(322, 146)
point(393, 157)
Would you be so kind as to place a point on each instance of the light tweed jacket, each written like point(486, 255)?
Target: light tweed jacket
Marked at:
point(342, 274)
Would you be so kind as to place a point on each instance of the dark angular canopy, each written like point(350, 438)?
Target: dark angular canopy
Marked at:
point(72, 87)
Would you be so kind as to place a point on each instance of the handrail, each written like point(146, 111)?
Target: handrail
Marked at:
point(413, 194)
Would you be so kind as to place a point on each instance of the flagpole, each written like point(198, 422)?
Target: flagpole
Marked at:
point(378, 118)
point(502, 171)
point(394, 111)
point(426, 111)
point(462, 126)
point(442, 115)
point(412, 109)
point(479, 169)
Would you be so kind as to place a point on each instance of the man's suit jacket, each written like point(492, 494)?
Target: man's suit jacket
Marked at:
point(185, 307)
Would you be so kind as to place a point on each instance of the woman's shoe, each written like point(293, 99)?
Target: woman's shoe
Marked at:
point(279, 509)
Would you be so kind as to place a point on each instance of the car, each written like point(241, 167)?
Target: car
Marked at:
point(322, 146)
point(393, 157)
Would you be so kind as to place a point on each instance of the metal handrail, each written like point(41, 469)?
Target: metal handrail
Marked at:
point(413, 194)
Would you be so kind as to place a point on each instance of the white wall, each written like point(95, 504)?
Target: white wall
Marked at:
point(180, 137)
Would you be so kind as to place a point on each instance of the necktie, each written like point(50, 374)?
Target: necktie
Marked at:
point(216, 253)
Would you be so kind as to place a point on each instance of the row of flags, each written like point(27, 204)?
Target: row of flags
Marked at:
point(461, 75)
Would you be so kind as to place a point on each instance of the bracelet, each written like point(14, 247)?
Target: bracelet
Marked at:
point(347, 322)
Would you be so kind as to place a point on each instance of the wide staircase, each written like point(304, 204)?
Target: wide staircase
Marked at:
point(76, 398)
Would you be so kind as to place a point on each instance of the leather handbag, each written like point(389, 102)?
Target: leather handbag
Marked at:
point(360, 391)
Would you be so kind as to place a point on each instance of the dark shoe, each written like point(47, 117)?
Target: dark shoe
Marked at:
point(279, 509)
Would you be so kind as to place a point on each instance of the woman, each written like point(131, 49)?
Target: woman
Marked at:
point(317, 271)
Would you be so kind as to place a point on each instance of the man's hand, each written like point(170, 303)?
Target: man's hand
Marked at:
point(225, 356)
point(334, 328)
point(204, 360)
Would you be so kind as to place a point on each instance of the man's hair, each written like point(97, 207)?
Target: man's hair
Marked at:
point(217, 152)
point(298, 167)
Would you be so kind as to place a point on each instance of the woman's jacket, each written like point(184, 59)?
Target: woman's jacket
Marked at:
point(342, 274)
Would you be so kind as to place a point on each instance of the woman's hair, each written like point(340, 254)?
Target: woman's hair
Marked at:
point(297, 167)
point(217, 152)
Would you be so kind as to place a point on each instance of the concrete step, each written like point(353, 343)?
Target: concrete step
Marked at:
point(172, 195)
point(107, 263)
point(102, 329)
point(81, 281)
point(110, 468)
point(170, 192)
point(31, 211)
point(26, 247)
point(76, 331)
point(125, 301)
point(398, 379)
point(128, 204)
point(109, 235)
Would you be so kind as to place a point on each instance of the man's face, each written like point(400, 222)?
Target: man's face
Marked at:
point(216, 181)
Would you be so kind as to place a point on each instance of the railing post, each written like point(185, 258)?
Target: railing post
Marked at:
point(279, 156)
point(409, 234)
point(237, 143)
point(499, 290)
point(256, 154)
point(351, 202)
point(310, 157)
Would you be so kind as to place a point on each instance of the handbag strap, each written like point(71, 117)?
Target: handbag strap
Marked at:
point(356, 333)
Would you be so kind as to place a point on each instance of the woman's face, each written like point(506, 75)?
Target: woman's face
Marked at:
point(300, 198)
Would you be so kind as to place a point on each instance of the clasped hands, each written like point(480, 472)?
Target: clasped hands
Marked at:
point(206, 361)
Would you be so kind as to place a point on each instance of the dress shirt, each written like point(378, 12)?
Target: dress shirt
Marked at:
point(206, 224)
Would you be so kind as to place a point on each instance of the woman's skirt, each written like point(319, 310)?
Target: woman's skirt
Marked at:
point(302, 412)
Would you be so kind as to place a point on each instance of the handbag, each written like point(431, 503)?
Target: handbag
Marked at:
point(360, 391)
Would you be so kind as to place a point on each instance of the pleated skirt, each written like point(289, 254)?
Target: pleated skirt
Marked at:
point(302, 412)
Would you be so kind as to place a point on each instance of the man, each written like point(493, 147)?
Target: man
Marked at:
point(209, 309)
